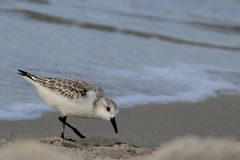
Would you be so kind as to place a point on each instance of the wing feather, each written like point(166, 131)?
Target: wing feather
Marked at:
point(72, 89)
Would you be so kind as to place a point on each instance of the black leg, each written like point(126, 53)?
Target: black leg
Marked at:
point(63, 120)
point(63, 125)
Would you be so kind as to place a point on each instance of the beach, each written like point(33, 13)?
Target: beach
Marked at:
point(172, 67)
point(146, 126)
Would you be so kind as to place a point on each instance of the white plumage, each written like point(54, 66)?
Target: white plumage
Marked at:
point(78, 98)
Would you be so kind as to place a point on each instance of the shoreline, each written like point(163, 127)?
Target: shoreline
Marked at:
point(143, 125)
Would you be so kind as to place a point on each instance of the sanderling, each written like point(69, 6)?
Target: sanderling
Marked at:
point(78, 98)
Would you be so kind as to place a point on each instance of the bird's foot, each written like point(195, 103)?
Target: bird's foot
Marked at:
point(68, 139)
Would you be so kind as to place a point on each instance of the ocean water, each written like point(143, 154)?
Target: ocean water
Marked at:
point(139, 51)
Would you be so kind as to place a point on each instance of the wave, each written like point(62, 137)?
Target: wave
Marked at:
point(175, 83)
point(179, 83)
point(23, 111)
point(44, 17)
point(169, 84)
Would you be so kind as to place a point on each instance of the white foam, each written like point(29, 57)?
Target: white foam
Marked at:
point(176, 83)
point(182, 83)
point(23, 111)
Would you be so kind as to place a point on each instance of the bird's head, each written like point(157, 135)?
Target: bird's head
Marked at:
point(107, 109)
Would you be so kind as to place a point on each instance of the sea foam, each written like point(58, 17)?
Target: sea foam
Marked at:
point(178, 83)
point(20, 111)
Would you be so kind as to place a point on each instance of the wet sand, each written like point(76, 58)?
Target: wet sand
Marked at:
point(142, 129)
point(144, 126)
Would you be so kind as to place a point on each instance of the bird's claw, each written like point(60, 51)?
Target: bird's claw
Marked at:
point(68, 139)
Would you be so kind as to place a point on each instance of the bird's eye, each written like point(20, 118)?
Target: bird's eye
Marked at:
point(108, 109)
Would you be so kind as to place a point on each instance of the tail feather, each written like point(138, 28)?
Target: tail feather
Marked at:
point(32, 77)
point(25, 74)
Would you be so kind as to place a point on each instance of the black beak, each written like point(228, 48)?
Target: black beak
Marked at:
point(114, 124)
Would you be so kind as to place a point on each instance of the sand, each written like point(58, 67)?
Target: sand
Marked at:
point(144, 128)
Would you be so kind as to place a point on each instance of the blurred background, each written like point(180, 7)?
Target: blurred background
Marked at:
point(139, 51)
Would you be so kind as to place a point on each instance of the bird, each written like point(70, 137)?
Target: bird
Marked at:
point(75, 98)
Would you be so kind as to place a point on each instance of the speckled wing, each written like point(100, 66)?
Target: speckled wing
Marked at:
point(73, 89)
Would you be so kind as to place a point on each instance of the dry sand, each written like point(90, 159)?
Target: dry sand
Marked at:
point(187, 148)
point(146, 126)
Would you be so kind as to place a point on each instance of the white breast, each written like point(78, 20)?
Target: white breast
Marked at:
point(82, 107)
